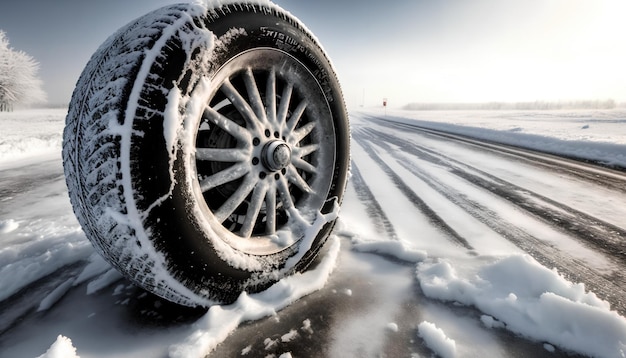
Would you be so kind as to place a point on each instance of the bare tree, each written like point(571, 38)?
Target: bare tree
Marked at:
point(19, 83)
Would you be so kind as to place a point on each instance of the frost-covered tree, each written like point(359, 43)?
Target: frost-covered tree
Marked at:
point(19, 83)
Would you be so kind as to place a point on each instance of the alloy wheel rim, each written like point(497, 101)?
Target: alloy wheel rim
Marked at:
point(265, 151)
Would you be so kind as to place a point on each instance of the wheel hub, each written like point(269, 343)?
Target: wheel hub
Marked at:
point(276, 155)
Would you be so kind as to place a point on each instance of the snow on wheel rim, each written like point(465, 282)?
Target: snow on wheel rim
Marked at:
point(264, 151)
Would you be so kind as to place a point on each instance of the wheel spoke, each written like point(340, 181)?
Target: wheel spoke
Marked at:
point(254, 96)
point(300, 152)
point(294, 177)
point(304, 165)
point(270, 96)
point(222, 154)
point(240, 103)
point(284, 104)
point(283, 192)
point(236, 198)
point(304, 131)
point(256, 201)
point(226, 124)
point(225, 176)
point(296, 115)
point(270, 209)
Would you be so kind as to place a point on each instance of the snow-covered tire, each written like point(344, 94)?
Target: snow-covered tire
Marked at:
point(206, 150)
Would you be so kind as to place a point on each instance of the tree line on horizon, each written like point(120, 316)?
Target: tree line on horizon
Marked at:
point(19, 83)
point(534, 105)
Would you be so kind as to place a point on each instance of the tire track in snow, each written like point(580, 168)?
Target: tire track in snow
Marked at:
point(434, 218)
point(373, 208)
point(609, 287)
point(605, 177)
point(548, 255)
point(589, 230)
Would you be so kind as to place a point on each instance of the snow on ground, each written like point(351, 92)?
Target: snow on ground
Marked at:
point(598, 135)
point(436, 339)
point(28, 133)
point(513, 292)
point(531, 300)
point(220, 321)
point(61, 348)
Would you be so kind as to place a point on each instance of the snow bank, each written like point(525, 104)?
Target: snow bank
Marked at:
point(532, 301)
point(220, 320)
point(61, 348)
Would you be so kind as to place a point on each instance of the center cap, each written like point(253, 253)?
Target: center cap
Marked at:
point(276, 155)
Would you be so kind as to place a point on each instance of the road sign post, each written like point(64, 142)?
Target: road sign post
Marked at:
point(385, 105)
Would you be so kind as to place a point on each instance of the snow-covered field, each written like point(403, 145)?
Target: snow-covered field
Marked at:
point(510, 290)
point(598, 135)
point(25, 134)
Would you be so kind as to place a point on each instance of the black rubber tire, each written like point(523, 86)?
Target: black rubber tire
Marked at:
point(142, 177)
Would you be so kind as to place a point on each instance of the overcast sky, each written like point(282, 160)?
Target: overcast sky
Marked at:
point(405, 50)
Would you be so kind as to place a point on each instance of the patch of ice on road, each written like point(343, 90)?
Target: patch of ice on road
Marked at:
point(221, 320)
point(61, 348)
point(6, 226)
point(532, 301)
point(436, 339)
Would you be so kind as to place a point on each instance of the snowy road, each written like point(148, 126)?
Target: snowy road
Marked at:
point(486, 199)
point(424, 216)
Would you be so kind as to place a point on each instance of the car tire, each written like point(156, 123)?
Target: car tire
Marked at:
point(206, 150)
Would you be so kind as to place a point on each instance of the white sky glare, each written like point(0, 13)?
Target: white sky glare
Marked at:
point(482, 50)
point(405, 50)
